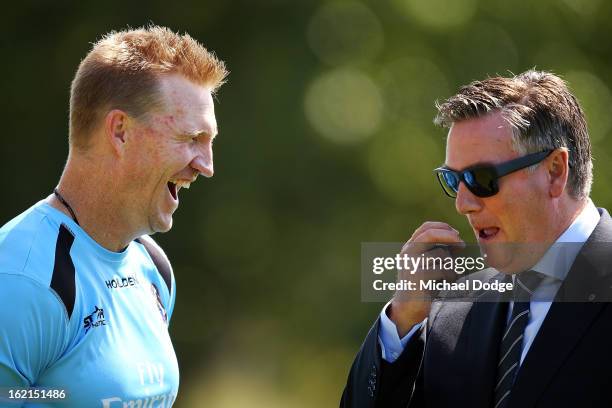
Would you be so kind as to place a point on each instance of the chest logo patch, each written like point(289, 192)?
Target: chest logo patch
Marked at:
point(95, 319)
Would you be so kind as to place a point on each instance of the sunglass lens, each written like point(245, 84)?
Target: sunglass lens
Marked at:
point(450, 182)
point(482, 182)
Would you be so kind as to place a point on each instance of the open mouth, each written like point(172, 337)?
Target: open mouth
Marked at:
point(175, 185)
point(488, 233)
point(173, 188)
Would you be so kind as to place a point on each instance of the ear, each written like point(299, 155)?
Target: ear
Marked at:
point(558, 171)
point(116, 125)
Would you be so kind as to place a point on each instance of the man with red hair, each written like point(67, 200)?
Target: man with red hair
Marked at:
point(87, 294)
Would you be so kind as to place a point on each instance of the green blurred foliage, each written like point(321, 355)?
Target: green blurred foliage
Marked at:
point(326, 141)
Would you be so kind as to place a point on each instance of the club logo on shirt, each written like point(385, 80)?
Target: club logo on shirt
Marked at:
point(160, 305)
point(95, 319)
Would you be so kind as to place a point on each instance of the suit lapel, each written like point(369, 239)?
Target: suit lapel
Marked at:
point(563, 327)
point(570, 315)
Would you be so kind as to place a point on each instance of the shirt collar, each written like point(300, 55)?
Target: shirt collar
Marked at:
point(559, 258)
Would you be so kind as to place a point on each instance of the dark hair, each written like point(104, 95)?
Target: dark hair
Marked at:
point(543, 114)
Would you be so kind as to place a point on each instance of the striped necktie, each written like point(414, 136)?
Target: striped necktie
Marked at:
point(512, 340)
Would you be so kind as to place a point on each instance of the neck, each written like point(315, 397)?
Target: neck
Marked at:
point(568, 211)
point(88, 188)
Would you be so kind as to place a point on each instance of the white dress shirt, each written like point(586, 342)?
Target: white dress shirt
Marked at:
point(555, 265)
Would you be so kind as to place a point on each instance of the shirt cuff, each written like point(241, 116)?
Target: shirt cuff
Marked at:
point(390, 343)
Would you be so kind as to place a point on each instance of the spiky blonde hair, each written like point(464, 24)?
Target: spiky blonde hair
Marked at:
point(122, 71)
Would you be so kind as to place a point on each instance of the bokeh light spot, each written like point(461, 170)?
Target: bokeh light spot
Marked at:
point(410, 87)
point(439, 15)
point(401, 165)
point(343, 32)
point(595, 99)
point(583, 7)
point(344, 105)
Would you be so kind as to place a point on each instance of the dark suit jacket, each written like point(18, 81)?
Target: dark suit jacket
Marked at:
point(453, 360)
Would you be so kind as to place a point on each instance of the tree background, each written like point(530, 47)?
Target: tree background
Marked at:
point(326, 141)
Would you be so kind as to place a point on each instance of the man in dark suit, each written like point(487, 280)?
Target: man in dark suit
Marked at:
point(518, 164)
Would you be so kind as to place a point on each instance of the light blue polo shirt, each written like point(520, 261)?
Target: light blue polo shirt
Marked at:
point(79, 318)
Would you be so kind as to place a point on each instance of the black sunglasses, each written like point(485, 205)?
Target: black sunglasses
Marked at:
point(481, 180)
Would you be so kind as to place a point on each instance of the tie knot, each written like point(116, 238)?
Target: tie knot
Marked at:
point(524, 285)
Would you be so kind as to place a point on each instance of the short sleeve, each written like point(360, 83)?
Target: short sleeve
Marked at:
point(33, 330)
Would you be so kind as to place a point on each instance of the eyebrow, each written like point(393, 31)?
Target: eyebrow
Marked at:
point(200, 132)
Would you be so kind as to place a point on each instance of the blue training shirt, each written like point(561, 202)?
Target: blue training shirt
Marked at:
point(79, 318)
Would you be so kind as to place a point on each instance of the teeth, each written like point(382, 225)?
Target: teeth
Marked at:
point(489, 231)
point(181, 183)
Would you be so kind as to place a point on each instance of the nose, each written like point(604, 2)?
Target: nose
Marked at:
point(203, 162)
point(466, 202)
